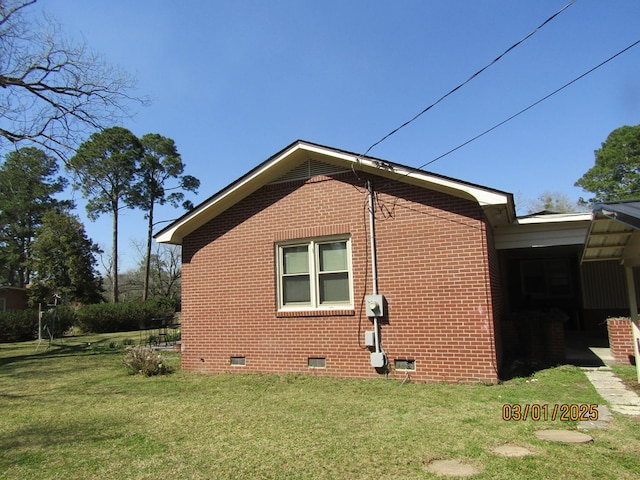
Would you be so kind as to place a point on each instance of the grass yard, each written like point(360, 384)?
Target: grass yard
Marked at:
point(74, 412)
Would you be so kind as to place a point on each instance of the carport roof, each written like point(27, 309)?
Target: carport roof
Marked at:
point(614, 233)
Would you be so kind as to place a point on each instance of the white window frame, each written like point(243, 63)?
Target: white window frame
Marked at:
point(314, 266)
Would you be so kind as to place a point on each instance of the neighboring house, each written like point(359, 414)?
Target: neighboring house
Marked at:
point(278, 271)
point(12, 298)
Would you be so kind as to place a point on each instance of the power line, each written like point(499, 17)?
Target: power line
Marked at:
point(533, 104)
point(591, 70)
point(494, 61)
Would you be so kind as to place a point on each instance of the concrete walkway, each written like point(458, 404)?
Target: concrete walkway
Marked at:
point(610, 387)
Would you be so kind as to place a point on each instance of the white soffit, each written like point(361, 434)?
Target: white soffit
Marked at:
point(544, 230)
point(298, 152)
point(555, 218)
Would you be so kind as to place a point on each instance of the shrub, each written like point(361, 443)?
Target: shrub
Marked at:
point(22, 325)
point(65, 319)
point(174, 336)
point(144, 360)
point(121, 317)
point(18, 325)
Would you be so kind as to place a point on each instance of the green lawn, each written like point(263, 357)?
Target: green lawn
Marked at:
point(74, 412)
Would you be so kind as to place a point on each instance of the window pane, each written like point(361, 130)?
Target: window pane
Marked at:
point(295, 259)
point(333, 256)
point(296, 289)
point(334, 287)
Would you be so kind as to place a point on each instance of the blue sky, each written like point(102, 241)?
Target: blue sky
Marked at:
point(233, 82)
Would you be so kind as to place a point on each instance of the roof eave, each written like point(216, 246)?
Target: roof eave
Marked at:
point(498, 205)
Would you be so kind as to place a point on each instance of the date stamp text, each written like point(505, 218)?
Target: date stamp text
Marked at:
point(543, 412)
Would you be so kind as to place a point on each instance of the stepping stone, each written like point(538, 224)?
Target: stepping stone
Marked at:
point(613, 390)
point(604, 417)
point(632, 410)
point(563, 436)
point(511, 451)
point(452, 468)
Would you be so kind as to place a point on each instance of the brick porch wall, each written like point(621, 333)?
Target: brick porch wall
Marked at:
point(433, 268)
point(621, 340)
point(555, 337)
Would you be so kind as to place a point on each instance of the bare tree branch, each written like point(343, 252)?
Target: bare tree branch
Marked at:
point(53, 93)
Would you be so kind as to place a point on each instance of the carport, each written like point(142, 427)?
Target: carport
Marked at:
point(614, 234)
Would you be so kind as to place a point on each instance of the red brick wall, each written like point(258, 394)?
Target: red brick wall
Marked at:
point(555, 342)
point(15, 299)
point(620, 340)
point(433, 259)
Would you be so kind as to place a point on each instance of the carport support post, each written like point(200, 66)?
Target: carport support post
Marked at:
point(633, 307)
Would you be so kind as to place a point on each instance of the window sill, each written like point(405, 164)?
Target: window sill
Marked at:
point(345, 312)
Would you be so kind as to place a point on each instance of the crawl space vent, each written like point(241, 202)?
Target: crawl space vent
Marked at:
point(317, 363)
point(238, 361)
point(408, 365)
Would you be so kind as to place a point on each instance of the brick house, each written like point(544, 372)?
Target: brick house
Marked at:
point(12, 298)
point(278, 271)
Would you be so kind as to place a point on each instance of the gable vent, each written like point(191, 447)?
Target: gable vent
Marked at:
point(308, 169)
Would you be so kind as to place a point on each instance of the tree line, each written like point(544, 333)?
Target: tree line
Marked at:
point(54, 94)
point(44, 245)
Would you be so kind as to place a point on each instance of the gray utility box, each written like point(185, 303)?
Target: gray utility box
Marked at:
point(374, 305)
point(369, 338)
point(377, 359)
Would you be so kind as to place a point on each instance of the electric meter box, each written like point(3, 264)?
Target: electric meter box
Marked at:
point(369, 338)
point(374, 305)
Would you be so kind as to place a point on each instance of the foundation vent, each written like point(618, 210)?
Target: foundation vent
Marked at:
point(317, 362)
point(238, 361)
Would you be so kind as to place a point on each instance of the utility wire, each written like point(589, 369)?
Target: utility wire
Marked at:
point(546, 97)
point(532, 105)
point(498, 58)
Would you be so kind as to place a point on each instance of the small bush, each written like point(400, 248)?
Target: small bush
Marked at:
point(18, 325)
point(173, 337)
point(65, 318)
point(145, 361)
